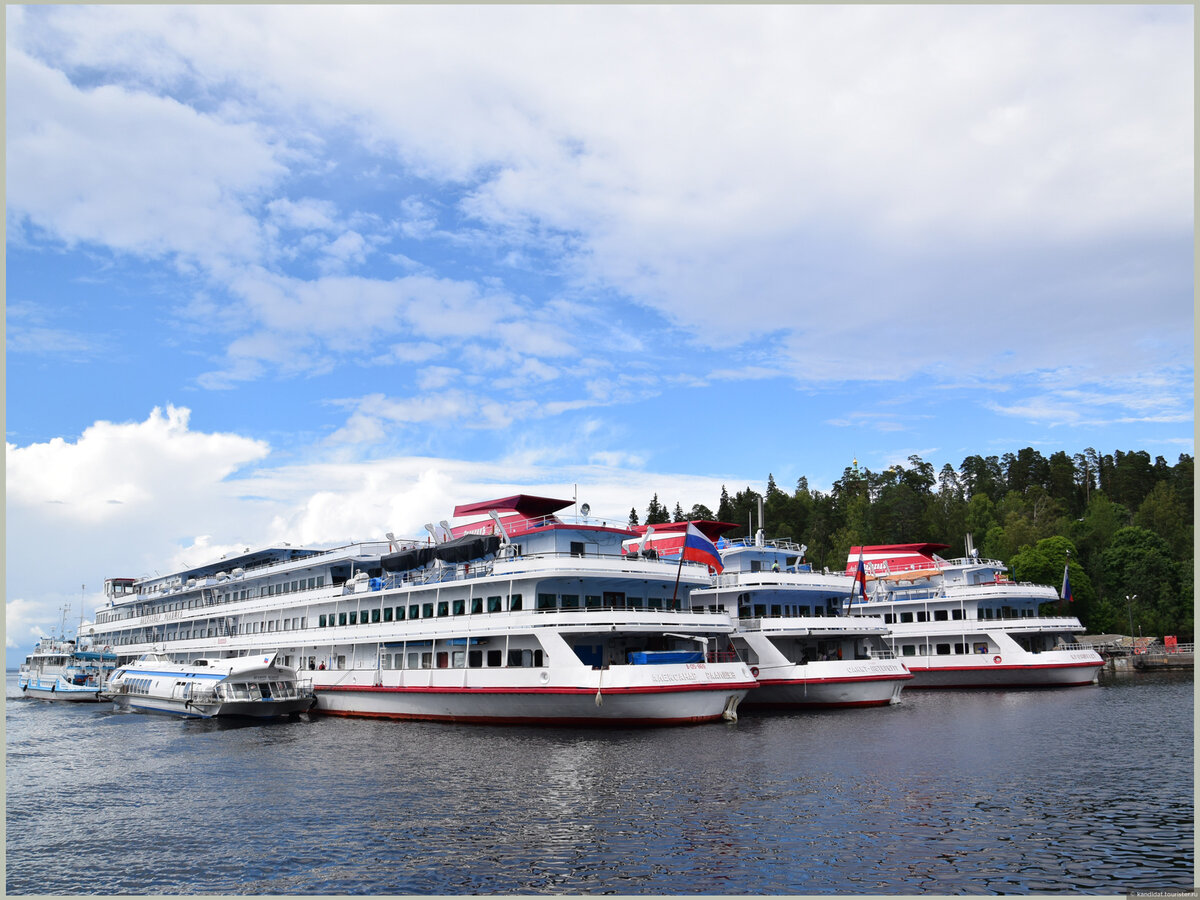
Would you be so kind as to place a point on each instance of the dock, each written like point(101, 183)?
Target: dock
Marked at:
point(1124, 653)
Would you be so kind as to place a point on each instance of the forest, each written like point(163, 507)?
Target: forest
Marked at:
point(1123, 520)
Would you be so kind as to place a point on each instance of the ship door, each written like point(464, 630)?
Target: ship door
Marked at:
point(265, 687)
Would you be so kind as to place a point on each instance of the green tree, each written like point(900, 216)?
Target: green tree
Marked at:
point(633, 518)
point(1163, 513)
point(656, 513)
point(1138, 563)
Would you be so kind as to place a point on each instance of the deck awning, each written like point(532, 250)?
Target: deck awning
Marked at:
point(523, 504)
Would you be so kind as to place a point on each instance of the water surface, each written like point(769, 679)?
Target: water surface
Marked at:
point(1082, 790)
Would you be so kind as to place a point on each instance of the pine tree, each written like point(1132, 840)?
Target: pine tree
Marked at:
point(633, 518)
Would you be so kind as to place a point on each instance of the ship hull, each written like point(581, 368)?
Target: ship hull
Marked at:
point(603, 698)
point(1000, 674)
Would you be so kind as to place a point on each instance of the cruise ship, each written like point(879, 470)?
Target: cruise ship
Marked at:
point(965, 623)
point(516, 615)
point(791, 624)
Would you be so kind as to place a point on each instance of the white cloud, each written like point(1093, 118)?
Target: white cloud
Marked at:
point(811, 172)
point(116, 468)
point(130, 171)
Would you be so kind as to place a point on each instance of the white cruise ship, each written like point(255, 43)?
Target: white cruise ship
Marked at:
point(515, 616)
point(790, 622)
point(963, 623)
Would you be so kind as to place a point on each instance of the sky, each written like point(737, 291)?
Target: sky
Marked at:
point(317, 273)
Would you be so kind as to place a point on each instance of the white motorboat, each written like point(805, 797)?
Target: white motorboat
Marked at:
point(245, 686)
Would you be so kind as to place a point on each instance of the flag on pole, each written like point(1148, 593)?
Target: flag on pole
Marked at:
point(698, 548)
point(860, 580)
point(1066, 588)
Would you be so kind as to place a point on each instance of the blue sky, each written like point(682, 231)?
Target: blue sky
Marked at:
point(317, 273)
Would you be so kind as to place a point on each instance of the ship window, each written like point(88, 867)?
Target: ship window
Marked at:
point(312, 583)
point(889, 619)
point(375, 615)
point(320, 581)
point(354, 618)
point(591, 601)
point(956, 614)
point(906, 617)
point(459, 607)
point(537, 658)
point(570, 601)
point(295, 586)
point(414, 660)
point(776, 609)
point(427, 660)
point(960, 648)
point(981, 648)
point(495, 658)
point(458, 659)
point(443, 659)
point(654, 603)
point(760, 609)
point(941, 615)
point(476, 605)
point(341, 618)
point(514, 602)
point(546, 601)
point(443, 609)
point(387, 614)
point(493, 604)
point(426, 610)
point(577, 548)
point(475, 659)
point(634, 602)
point(414, 611)
point(399, 613)
point(908, 650)
point(943, 649)
point(922, 616)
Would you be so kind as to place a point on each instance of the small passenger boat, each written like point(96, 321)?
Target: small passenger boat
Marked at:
point(246, 686)
point(65, 670)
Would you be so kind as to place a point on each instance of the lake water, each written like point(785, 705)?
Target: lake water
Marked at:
point(1080, 790)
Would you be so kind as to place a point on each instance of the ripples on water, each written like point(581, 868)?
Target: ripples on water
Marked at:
point(1086, 790)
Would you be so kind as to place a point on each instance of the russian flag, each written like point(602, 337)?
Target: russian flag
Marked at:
point(698, 548)
point(1066, 588)
point(860, 580)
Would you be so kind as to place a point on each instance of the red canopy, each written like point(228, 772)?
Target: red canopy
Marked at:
point(525, 505)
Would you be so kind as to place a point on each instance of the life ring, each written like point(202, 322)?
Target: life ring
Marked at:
point(754, 671)
point(545, 677)
point(996, 660)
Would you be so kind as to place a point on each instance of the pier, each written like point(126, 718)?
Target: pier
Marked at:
point(1122, 653)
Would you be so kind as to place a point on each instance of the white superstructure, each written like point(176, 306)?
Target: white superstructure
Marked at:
point(516, 616)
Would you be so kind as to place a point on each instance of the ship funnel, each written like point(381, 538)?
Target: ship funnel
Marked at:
point(760, 539)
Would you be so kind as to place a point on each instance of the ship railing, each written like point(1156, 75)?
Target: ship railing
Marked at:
point(721, 656)
point(773, 544)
